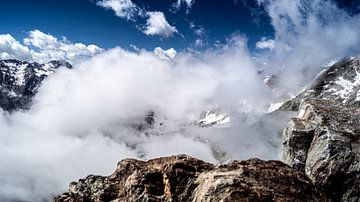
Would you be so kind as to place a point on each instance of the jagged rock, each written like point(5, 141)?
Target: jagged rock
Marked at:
point(182, 178)
point(340, 82)
point(324, 141)
point(19, 81)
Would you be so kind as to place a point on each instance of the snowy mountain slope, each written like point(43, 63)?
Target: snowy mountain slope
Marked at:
point(19, 81)
point(340, 82)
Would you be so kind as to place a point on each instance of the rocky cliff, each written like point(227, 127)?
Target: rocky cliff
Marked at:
point(324, 139)
point(182, 178)
point(324, 142)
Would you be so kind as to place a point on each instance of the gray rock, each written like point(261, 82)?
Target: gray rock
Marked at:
point(324, 141)
point(340, 82)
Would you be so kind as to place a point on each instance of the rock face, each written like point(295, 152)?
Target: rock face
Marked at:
point(324, 141)
point(19, 81)
point(182, 178)
point(340, 82)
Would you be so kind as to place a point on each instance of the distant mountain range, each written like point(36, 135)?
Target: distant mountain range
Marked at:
point(20, 80)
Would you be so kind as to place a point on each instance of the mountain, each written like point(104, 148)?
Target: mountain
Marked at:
point(321, 152)
point(20, 80)
point(340, 82)
point(323, 140)
point(321, 146)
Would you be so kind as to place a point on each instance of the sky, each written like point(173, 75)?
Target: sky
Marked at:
point(198, 25)
point(85, 21)
point(178, 59)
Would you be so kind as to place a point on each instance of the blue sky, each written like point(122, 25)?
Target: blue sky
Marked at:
point(84, 21)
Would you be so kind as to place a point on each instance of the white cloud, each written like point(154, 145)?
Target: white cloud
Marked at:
point(52, 48)
point(198, 29)
point(82, 119)
point(200, 32)
point(122, 8)
point(41, 47)
point(165, 54)
point(308, 34)
point(11, 48)
point(188, 3)
point(265, 44)
point(156, 24)
point(199, 43)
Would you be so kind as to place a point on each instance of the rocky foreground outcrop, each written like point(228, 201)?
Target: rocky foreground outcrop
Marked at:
point(324, 142)
point(182, 178)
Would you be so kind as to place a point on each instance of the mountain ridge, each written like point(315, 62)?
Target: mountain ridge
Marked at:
point(20, 80)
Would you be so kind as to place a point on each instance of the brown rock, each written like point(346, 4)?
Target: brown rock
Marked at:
point(182, 178)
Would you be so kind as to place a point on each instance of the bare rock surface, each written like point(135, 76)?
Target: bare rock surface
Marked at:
point(324, 142)
point(183, 178)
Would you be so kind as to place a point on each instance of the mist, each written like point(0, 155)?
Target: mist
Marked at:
point(84, 120)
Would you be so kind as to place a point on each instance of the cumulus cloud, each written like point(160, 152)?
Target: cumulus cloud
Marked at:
point(11, 48)
point(41, 47)
point(265, 44)
point(122, 8)
point(157, 24)
point(165, 54)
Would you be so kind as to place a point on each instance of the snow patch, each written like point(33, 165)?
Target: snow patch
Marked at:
point(212, 118)
point(347, 87)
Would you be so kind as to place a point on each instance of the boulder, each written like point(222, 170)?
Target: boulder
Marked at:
point(324, 142)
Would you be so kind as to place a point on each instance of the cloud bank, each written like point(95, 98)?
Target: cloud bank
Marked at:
point(86, 119)
point(41, 47)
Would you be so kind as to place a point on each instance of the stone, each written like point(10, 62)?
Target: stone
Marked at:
point(183, 178)
point(324, 142)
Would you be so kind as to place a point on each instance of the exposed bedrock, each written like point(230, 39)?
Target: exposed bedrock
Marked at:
point(324, 142)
